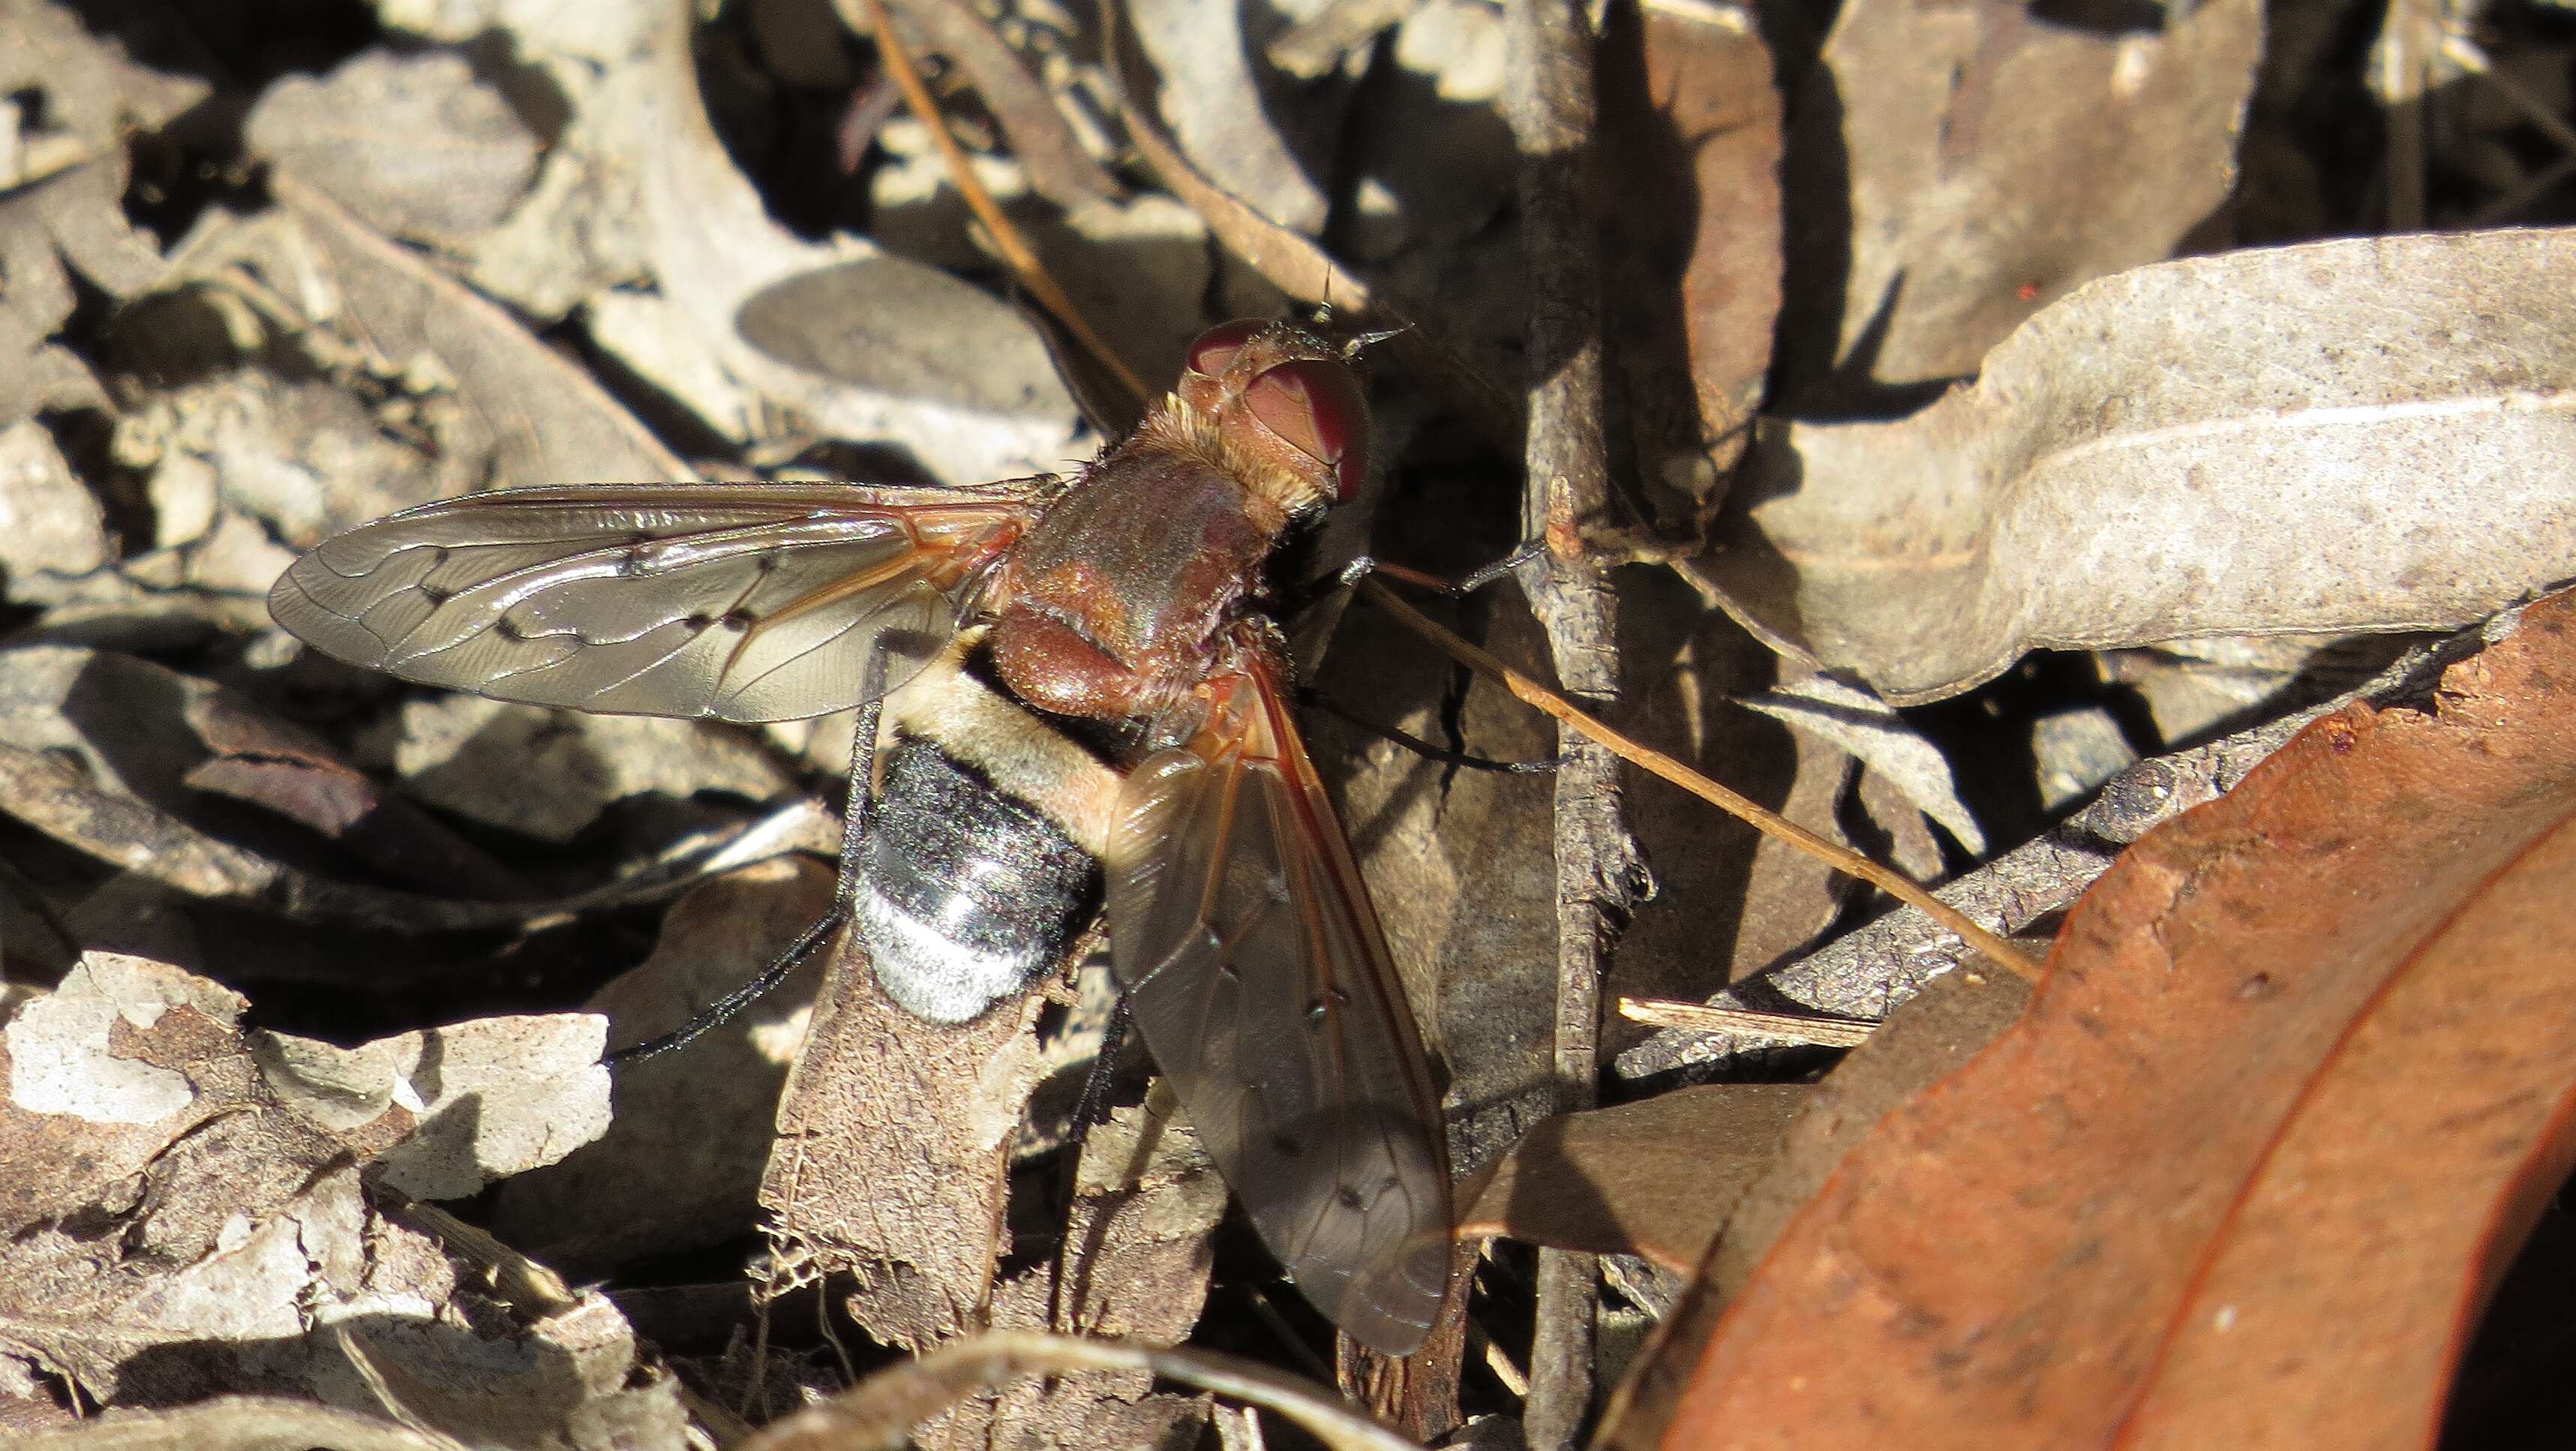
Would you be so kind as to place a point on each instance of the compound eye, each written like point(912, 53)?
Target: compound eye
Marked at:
point(1317, 407)
point(1217, 346)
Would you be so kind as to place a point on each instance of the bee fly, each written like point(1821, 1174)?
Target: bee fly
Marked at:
point(1083, 708)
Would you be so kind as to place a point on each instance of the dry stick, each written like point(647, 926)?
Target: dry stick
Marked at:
point(1807, 1028)
point(869, 18)
point(2401, 84)
point(1547, 100)
point(1770, 823)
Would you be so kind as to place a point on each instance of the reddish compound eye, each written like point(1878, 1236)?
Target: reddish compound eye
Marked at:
point(1216, 347)
point(1317, 407)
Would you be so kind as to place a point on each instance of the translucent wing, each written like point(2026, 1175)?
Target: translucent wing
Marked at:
point(1255, 969)
point(745, 602)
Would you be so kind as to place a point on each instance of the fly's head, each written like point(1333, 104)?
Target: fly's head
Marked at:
point(1282, 409)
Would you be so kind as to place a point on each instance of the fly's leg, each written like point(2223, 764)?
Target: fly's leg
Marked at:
point(845, 894)
point(1309, 696)
point(1092, 1107)
point(1338, 587)
point(1466, 584)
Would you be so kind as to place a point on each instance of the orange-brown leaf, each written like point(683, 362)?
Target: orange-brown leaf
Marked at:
point(2243, 1174)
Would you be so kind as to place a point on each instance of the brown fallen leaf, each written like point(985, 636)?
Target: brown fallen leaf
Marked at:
point(2251, 1161)
point(2347, 436)
point(1953, 168)
point(1690, 133)
point(1653, 1178)
point(1135, 1268)
point(893, 1137)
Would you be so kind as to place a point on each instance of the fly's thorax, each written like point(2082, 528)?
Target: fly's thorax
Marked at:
point(1114, 597)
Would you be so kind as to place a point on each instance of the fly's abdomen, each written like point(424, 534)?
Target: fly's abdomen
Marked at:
point(981, 861)
point(965, 894)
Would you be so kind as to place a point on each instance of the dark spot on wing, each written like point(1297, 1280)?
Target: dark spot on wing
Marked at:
point(510, 629)
point(740, 619)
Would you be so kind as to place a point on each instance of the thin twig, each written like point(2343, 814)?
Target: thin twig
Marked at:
point(2465, 53)
point(1770, 823)
point(2401, 82)
point(869, 18)
point(1807, 1028)
point(1547, 100)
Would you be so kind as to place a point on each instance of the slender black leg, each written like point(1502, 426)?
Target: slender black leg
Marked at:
point(1308, 695)
point(1368, 564)
point(1090, 1108)
point(845, 893)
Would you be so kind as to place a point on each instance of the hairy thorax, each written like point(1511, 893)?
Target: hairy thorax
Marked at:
point(1115, 598)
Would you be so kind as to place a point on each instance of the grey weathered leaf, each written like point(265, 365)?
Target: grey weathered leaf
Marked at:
point(2348, 436)
point(417, 145)
point(71, 96)
point(1854, 718)
point(641, 221)
point(185, 1213)
point(1965, 164)
point(369, 305)
point(1228, 115)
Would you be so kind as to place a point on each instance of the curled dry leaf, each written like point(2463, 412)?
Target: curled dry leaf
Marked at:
point(1653, 1178)
point(73, 96)
point(2345, 436)
point(1854, 718)
point(893, 1137)
point(184, 1214)
point(2299, 1078)
point(1955, 167)
point(680, 1164)
point(640, 220)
